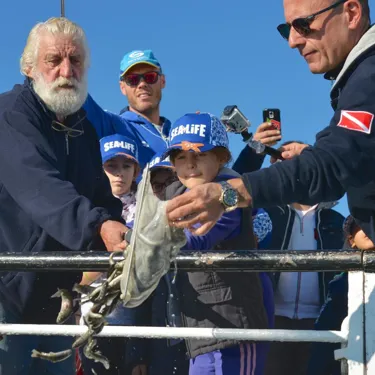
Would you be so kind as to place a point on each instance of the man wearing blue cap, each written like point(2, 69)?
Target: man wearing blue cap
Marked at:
point(142, 82)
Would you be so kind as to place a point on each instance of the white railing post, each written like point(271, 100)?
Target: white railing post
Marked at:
point(354, 352)
point(369, 300)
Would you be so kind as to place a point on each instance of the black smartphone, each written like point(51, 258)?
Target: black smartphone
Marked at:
point(272, 115)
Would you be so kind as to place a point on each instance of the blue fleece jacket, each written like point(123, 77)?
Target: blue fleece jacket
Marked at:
point(132, 125)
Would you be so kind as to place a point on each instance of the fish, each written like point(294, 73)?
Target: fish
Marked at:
point(83, 289)
point(81, 340)
point(97, 356)
point(66, 309)
point(52, 356)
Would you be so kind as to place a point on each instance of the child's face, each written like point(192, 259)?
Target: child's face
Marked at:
point(160, 179)
point(196, 168)
point(121, 172)
point(360, 240)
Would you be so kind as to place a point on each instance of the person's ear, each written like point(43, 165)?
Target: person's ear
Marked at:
point(163, 81)
point(123, 88)
point(354, 13)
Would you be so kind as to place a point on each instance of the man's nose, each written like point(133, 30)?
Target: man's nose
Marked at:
point(142, 83)
point(66, 68)
point(295, 38)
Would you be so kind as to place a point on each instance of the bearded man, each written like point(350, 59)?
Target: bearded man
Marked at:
point(54, 195)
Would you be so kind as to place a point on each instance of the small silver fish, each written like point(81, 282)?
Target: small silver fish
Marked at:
point(52, 356)
point(66, 309)
point(97, 356)
point(83, 289)
point(81, 340)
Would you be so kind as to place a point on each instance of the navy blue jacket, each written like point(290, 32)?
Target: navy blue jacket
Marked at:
point(53, 197)
point(341, 160)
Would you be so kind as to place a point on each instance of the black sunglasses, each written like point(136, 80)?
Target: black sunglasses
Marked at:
point(302, 25)
point(133, 79)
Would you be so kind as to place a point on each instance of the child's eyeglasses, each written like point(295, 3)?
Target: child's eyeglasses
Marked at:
point(133, 79)
point(157, 187)
point(302, 25)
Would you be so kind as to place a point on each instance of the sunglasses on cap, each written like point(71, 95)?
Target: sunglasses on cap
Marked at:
point(302, 25)
point(133, 79)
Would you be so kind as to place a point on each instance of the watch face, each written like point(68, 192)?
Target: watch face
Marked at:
point(230, 197)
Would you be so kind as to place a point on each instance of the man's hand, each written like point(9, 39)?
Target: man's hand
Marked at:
point(139, 370)
point(290, 150)
point(112, 234)
point(201, 205)
point(267, 134)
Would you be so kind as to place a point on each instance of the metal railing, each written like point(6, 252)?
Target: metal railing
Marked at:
point(264, 260)
point(357, 335)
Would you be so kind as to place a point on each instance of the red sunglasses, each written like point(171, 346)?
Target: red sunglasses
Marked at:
point(133, 79)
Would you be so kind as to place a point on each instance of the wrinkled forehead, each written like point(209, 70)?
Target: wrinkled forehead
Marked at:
point(59, 45)
point(302, 8)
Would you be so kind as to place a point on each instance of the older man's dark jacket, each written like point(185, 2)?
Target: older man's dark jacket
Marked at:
point(53, 197)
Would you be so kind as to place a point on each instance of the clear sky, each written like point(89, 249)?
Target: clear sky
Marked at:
point(213, 53)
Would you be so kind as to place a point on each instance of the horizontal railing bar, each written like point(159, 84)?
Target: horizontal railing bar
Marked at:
point(174, 332)
point(267, 260)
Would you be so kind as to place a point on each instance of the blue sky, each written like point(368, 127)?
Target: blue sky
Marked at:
point(213, 53)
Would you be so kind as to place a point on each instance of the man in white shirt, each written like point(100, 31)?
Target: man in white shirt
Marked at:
point(300, 295)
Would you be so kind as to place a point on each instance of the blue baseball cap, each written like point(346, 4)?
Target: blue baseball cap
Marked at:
point(158, 162)
point(198, 132)
point(117, 144)
point(138, 57)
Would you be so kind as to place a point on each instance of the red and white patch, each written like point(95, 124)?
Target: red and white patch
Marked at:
point(359, 121)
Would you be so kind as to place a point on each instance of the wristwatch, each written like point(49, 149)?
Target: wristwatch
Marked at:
point(229, 196)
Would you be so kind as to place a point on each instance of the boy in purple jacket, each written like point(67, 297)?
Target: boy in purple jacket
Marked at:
point(198, 149)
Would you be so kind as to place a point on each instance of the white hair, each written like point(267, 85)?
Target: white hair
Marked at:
point(54, 26)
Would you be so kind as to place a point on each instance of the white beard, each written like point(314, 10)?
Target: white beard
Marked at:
point(62, 101)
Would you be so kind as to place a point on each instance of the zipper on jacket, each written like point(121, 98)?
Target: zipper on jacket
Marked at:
point(299, 278)
point(67, 143)
point(187, 343)
point(322, 248)
point(161, 135)
point(295, 316)
point(286, 231)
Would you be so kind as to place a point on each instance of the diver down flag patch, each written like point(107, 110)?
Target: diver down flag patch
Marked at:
point(359, 121)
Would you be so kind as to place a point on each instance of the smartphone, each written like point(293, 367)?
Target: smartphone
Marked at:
point(272, 115)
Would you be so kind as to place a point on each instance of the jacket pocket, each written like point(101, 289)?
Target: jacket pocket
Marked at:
point(215, 295)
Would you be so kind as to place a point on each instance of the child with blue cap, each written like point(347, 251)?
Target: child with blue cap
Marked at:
point(120, 164)
point(199, 150)
point(162, 174)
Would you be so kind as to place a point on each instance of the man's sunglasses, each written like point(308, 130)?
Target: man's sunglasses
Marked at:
point(133, 79)
point(302, 25)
